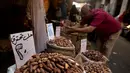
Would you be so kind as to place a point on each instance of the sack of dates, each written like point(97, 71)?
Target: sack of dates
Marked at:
point(96, 68)
point(95, 56)
point(91, 56)
point(61, 45)
point(50, 63)
point(68, 23)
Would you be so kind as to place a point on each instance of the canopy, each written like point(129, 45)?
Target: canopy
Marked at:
point(81, 1)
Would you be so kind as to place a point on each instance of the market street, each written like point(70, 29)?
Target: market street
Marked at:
point(120, 58)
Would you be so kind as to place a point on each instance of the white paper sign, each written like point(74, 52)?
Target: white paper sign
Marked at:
point(50, 31)
point(57, 31)
point(23, 47)
point(83, 45)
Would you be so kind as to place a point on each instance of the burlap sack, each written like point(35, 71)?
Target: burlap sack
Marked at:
point(69, 51)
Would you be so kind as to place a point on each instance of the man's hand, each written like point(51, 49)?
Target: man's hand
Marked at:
point(70, 29)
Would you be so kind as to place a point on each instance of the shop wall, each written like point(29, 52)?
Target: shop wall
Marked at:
point(11, 17)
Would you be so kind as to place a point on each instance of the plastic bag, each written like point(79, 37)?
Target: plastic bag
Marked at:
point(11, 69)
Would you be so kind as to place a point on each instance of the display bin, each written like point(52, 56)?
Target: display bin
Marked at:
point(68, 51)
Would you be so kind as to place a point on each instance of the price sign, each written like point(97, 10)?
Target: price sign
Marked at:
point(23, 47)
point(57, 31)
point(50, 31)
point(83, 45)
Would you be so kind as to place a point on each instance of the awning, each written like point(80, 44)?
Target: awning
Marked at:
point(81, 1)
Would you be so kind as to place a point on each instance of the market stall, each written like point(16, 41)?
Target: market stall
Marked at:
point(57, 52)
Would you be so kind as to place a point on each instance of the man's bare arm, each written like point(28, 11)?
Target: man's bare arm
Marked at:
point(84, 29)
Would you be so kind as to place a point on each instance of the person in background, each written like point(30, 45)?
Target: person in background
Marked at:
point(59, 6)
point(73, 13)
point(126, 22)
point(65, 7)
point(126, 18)
point(102, 6)
point(106, 27)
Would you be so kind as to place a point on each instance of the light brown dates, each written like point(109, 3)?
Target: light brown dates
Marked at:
point(93, 55)
point(96, 68)
point(61, 41)
point(50, 63)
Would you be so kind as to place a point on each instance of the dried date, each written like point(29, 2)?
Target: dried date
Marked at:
point(50, 63)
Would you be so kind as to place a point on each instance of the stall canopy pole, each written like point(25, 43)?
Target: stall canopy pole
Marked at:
point(124, 6)
point(40, 34)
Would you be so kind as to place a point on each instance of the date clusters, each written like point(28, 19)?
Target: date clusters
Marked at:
point(50, 63)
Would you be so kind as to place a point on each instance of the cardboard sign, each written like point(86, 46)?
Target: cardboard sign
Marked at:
point(23, 47)
point(50, 31)
point(83, 45)
point(57, 31)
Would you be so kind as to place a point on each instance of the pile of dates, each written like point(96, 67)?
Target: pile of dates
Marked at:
point(62, 42)
point(93, 55)
point(96, 68)
point(50, 63)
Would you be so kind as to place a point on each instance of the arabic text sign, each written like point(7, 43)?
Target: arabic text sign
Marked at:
point(50, 31)
point(83, 45)
point(57, 31)
point(23, 47)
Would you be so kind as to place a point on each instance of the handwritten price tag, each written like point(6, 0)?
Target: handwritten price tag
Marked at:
point(83, 45)
point(50, 31)
point(57, 31)
point(23, 47)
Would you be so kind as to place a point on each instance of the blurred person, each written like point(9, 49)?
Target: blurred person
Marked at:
point(102, 6)
point(59, 6)
point(106, 27)
point(73, 13)
point(65, 6)
point(126, 18)
point(126, 22)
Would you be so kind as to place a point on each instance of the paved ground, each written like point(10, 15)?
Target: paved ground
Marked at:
point(119, 60)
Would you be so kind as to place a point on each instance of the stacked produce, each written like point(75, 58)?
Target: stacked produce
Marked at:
point(50, 63)
point(96, 68)
point(61, 42)
point(94, 55)
point(95, 62)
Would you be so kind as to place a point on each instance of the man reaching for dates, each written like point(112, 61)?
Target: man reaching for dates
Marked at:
point(106, 27)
